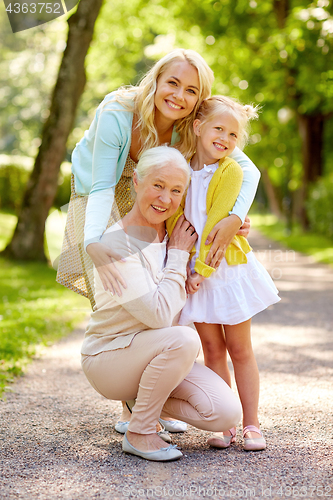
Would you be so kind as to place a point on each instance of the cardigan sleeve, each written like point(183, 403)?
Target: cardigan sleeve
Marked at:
point(251, 176)
point(222, 193)
point(110, 138)
point(154, 304)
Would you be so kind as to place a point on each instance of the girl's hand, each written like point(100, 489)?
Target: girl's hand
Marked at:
point(245, 228)
point(183, 236)
point(221, 236)
point(102, 256)
point(193, 282)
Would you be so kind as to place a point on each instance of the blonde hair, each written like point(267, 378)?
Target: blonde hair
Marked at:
point(159, 157)
point(144, 100)
point(219, 104)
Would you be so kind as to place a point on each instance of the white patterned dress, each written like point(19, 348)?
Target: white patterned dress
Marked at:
point(232, 294)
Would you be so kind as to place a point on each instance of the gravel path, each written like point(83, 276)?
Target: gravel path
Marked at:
point(57, 436)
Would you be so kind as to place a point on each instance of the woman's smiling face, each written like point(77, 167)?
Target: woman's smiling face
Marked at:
point(177, 91)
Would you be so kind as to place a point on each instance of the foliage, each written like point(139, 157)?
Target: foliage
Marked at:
point(29, 63)
point(320, 206)
point(283, 63)
point(318, 246)
point(34, 310)
point(285, 66)
point(14, 174)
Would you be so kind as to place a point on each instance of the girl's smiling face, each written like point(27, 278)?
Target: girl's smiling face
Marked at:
point(177, 91)
point(217, 137)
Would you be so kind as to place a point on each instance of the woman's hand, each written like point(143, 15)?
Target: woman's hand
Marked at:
point(245, 228)
point(221, 236)
point(193, 282)
point(183, 236)
point(102, 256)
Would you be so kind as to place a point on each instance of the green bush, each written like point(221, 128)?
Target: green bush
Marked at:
point(13, 180)
point(320, 206)
point(14, 175)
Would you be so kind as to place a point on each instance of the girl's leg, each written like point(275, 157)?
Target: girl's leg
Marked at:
point(239, 345)
point(148, 370)
point(214, 349)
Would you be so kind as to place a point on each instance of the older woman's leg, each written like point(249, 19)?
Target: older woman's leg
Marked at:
point(149, 369)
point(204, 400)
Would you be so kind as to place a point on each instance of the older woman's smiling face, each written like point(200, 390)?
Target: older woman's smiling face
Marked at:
point(159, 194)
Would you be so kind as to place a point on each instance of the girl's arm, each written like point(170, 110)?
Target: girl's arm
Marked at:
point(193, 283)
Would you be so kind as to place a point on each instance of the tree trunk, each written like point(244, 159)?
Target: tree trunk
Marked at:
point(28, 239)
point(311, 128)
point(281, 8)
point(271, 195)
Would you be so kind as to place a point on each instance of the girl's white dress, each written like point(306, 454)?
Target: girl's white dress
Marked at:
point(232, 294)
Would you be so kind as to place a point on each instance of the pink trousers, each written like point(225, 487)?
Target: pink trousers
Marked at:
point(159, 370)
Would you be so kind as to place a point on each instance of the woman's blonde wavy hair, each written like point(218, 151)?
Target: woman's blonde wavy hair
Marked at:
point(144, 95)
point(219, 104)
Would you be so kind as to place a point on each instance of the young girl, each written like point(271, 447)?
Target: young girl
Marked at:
point(222, 301)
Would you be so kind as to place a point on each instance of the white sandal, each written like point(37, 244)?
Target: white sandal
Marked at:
point(253, 444)
point(173, 425)
point(122, 427)
point(222, 441)
point(161, 455)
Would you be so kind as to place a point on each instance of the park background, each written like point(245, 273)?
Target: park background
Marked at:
point(275, 53)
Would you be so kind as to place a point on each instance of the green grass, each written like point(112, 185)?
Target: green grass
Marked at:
point(34, 309)
point(316, 245)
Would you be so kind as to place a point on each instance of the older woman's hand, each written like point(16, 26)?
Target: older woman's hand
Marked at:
point(183, 236)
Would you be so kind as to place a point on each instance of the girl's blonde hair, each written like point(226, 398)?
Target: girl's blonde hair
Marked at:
point(219, 104)
point(140, 99)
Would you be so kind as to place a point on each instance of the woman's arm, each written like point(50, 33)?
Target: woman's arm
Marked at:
point(155, 305)
point(251, 176)
point(108, 138)
point(112, 134)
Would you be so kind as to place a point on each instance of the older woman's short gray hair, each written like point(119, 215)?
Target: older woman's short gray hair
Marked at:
point(159, 157)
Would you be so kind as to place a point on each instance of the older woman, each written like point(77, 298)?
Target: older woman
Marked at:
point(133, 347)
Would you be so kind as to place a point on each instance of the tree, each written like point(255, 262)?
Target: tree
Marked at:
point(29, 66)
point(279, 52)
point(28, 239)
